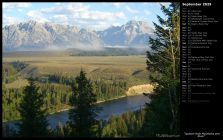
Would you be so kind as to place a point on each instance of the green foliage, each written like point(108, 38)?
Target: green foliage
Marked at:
point(11, 99)
point(107, 82)
point(33, 122)
point(8, 73)
point(126, 125)
point(60, 78)
point(59, 131)
point(106, 90)
point(19, 65)
point(163, 62)
point(57, 94)
point(56, 97)
point(158, 116)
point(82, 116)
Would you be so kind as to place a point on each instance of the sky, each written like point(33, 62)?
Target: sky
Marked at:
point(97, 16)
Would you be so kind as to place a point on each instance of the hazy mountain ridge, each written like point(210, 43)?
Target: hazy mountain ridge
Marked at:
point(33, 35)
point(130, 34)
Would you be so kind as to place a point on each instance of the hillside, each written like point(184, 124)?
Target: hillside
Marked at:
point(36, 36)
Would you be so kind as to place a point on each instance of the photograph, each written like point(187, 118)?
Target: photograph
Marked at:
point(91, 69)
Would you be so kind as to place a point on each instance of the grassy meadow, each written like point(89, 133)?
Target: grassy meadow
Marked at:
point(129, 68)
point(111, 76)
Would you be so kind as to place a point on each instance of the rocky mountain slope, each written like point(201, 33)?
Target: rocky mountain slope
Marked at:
point(133, 33)
point(33, 35)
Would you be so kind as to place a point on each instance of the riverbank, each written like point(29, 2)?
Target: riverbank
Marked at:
point(62, 110)
point(68, 108)
point(140, 89)
point(132, 91)
point(111, 108)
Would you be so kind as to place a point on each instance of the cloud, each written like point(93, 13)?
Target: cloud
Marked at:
point(116, 24)
point(100, 25)
point(36, 15)
point(130, 10)
point(102, 16)
point(117, 4)
point(147, 12)
point(20, 10)
point(76, 14)
point(165, 3)
point(136, 18)
point(69, 8)
point(158, 4)
point(61, 19)
point(16, 5)
point(145, 3)
point(98, 20)
point(7, 20)
point(57, 3)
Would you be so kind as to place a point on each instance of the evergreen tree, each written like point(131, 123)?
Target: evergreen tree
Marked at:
point(33, 117)
point(59, 132)
point(82, 116)
point(164, 64)
point(121, 127)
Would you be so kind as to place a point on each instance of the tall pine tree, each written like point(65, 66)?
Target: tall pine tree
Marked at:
point(164, 63)
point(82, 116)
point(33, 122)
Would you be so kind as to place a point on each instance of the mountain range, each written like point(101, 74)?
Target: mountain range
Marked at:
point(33, 35)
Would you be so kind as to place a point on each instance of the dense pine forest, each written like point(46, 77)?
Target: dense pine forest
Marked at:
point(56, 91)
point(44, 95)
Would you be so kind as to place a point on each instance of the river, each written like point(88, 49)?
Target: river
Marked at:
point(114, 107)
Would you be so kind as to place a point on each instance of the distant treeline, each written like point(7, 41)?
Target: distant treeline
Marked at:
point(105, 51)
point(161, 117)
point(128, 124)
point(57, 91)
point(108, 52)
point(10, 70)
